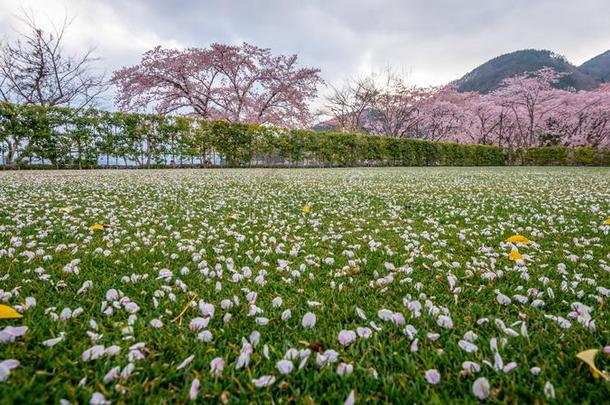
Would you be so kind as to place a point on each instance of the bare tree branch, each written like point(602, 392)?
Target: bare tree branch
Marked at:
point(34, 69)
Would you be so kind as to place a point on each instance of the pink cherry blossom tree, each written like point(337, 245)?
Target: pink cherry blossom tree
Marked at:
point(530, 97)
point(525, 111)
point(481, 119)
point(397, 106)
point(236, 83)
point(583, 118)
point(444, 115)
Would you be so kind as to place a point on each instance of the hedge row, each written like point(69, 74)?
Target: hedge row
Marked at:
point(59, 137)
point(563, 156)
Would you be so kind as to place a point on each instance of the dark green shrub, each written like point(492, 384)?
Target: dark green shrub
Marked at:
point(546, 156)
point(585, 156)
point(603, 157)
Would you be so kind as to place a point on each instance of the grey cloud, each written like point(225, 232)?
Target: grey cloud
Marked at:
point(437, 41)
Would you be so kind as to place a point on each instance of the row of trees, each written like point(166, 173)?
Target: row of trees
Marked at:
point(87, 137)
point(526, 111)
point(35, 135)
point(61, 137)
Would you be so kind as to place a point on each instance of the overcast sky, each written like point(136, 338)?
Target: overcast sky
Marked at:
point(435, 41)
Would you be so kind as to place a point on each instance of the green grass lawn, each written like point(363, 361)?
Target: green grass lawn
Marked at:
point(411, 263)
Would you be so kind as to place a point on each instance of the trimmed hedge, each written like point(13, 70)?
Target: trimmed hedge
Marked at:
point(33, 136)
point(563, 156)
point(547, 156)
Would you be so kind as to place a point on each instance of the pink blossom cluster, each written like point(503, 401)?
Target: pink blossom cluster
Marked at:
point(525, 111)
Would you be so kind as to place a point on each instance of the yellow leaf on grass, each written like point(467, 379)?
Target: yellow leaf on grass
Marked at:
point(66, 209)
point(588, 356)
point(607, 222)
point(519, 239)
point(97, 227)
point(306, 209)
point(515, 255)
point(7, 312)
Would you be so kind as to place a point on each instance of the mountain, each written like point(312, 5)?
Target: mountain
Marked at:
point(489, 75)
point(598, 67)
